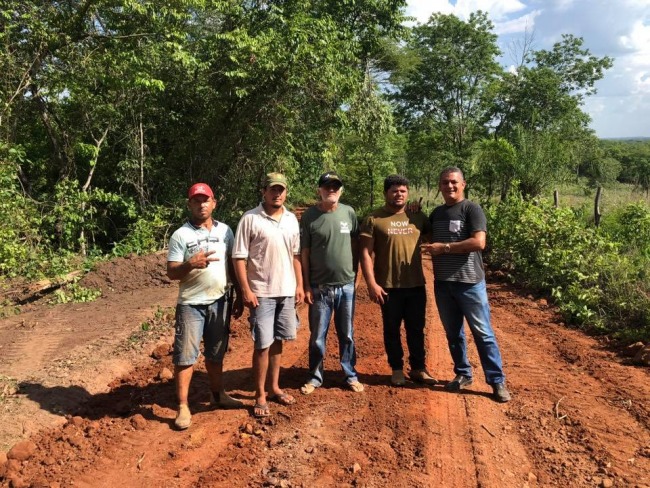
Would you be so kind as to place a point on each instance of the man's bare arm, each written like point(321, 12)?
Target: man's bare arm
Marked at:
point(376, 292)
point(474, 243)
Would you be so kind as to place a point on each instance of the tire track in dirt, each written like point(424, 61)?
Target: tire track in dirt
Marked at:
point(38, 337)
point(485, 447)
point(385, 436)
point(580, 429)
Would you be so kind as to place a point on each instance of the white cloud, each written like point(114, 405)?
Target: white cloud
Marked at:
point(498, 9)
point(525, 23)
point(422, 9)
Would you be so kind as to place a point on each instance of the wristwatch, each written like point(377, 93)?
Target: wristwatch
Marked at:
point(447, 248)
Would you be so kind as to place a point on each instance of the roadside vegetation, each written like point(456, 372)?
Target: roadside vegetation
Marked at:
point(110, 110)
point(596, 276)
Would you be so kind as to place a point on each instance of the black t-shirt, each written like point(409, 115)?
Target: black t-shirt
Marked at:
point(456, 223)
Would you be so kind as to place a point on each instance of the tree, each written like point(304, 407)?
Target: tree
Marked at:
point(542, 157)
point(368, 150)
point(548, 88)
point(494, 167)
point(446, 91)
point(117, 105)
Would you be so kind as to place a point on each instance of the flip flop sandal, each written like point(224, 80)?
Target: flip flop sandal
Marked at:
point(261, 411)
point(283, 399)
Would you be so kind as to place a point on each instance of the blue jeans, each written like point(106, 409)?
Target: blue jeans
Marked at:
point(195, 322)
point(408, 305)
point(456, 301)
point(339, 300)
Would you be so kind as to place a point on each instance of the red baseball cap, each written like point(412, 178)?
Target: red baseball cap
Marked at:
point(200, 189)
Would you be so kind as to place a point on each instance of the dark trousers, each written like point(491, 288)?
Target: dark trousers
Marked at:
point(409, 305)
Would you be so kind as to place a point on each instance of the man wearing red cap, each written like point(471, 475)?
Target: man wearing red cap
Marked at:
point(199, 257)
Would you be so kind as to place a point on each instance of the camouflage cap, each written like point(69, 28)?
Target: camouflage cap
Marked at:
point(272, 179)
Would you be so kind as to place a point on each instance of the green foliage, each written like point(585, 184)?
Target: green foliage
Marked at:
point(542, 158)
point(551, 250)
point(75, 293)
point(493, 166)
point(520, 130)
point(548, 88)
point(601, 172)
point(19, 232)
point(120, 106)
point(634, 158)
point(630, 227)
point(446, 91)
point(148, 233)
point(8, 388)
point(369, 152)
point(79, 216)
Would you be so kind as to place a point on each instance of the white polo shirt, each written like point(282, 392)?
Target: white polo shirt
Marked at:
point(202, 286)
point(269, 246)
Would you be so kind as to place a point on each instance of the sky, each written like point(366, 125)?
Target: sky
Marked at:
point(619, 29)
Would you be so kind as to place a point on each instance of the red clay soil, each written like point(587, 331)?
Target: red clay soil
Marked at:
point(86, 405)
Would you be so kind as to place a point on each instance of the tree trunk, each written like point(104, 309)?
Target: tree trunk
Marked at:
point(141, 182)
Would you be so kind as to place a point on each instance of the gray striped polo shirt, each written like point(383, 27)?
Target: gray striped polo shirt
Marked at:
point(456, 223)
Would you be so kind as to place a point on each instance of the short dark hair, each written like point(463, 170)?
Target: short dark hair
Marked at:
point(392, 180)
point(451, 169)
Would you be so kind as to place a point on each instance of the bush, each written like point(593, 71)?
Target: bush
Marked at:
point(630, 227)
point(19, 222)
point(147, 234)
point(550, 249)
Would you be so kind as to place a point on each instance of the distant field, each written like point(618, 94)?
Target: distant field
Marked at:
point(570, 195)
point(613, 196)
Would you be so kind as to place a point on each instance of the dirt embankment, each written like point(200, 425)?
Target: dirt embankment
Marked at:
point(94, 409)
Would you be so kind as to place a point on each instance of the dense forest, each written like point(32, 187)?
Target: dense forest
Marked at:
point(110, 109)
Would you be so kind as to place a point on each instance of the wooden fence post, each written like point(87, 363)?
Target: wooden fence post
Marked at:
point(597, 214)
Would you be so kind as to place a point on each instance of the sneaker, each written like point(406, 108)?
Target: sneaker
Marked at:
point(459, 382)
point(307, 388)
point(501, 393)
point(223, 400)
point(422, 376)
point(356, 386)
point(183, 417)
point(397, 378)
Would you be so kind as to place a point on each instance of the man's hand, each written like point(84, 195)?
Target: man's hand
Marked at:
point(413, 206)
point(377, 294)
point(309, 296)
point(434, 248)
point(250, 299)
point(202, 259)
point(300, 295)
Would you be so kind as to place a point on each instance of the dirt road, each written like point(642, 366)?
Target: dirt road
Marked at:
point(77, 381)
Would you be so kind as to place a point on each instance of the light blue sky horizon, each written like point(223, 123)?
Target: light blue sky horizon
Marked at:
point(619, 29)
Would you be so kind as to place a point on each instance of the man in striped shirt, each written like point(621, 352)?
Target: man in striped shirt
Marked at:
point(459, 231)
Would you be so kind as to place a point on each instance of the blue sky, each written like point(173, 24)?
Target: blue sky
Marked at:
point(616, 28)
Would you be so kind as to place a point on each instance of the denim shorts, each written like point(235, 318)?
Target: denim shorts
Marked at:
point(208, 322)
point(273, 319)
